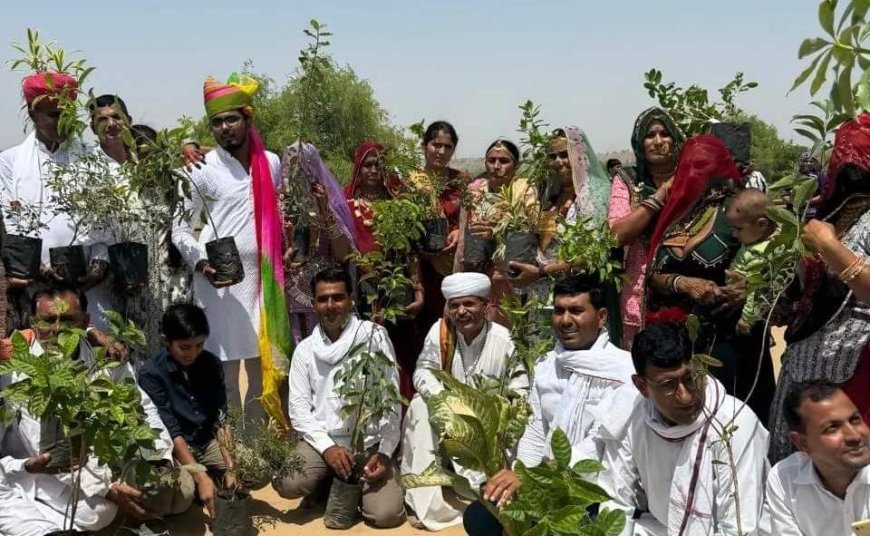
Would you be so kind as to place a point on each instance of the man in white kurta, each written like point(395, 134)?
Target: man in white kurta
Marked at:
point(49, 494)
point(680, 456)
point(315, 408)
point(25, 171)
point(223, 199)
point(482, 348)
point(824, 488)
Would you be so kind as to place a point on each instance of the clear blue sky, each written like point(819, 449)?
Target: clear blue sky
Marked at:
point(470, 62)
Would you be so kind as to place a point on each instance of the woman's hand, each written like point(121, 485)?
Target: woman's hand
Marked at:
point(321, 196)
point(662, 192)
point(414, 308)
point(733, 294)
point(818, 234)
point(699, 290)
point(526, 273)
point(452, 240)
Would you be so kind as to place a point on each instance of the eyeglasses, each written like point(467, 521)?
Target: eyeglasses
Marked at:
point(669, 387)
point(229, 120)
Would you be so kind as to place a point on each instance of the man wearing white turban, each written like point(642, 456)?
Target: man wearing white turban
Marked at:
point(465, 343)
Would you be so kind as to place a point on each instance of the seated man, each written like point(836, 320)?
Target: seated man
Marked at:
point(315, 409)
point(26, 438)
point(568, 383)
point(186, 383)
point(468, 345)
point(825, 486)
point(677, 451)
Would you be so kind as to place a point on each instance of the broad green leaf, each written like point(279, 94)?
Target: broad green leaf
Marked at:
point(587, 492)
point(567, 519)
point(538, 530)
point(561, 448)
point(588, 466)
point(844, 86)
point(811, 45)
point(803, 192)
point(708, 360)
point(782, 216)
point(611, 521)
point(862, 94)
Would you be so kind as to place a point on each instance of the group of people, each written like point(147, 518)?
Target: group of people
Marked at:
point(687, 448)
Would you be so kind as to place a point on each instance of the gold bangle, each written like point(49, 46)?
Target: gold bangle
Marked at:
point(853, 270)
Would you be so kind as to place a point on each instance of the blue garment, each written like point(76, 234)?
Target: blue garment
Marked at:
point(190, 400)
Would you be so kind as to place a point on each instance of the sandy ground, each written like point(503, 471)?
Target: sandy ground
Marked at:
point(276, 516)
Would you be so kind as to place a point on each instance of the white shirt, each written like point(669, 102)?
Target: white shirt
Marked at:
point(486, 355)
point(313, 405)
point(234, 311)
point(640, 468)
point(24, 173)
point(549, 397)
point(799, 505)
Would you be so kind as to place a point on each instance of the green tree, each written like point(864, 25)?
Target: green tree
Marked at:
point(774, 157)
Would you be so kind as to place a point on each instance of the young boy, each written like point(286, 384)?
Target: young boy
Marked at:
point(187, 385)
point(746, 215)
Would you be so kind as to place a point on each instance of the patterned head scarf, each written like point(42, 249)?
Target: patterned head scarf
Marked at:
point(702, 160)
point(851, 147)
point(638, 133)
point(50, 84)
point(237, 93)
point(591, 183)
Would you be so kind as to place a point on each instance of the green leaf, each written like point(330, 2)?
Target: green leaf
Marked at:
point(588, 466)
point(808, 46)
point(805, 74)
point(826, 15)
point(803, 192)
point(567, 519)
point(821, 73)
point(611, 521)
point(561, 448)
point(708, 360)
point(844, 87)
point(782, 216)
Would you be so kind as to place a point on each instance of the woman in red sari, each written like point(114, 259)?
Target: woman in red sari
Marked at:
point(370, 183)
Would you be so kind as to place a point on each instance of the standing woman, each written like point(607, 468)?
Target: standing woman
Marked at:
point(637, 196)
point(369, 183)
point(691, 248)
point(330, 234)
point(487, 208)
point(827, 339)
point(439, 144)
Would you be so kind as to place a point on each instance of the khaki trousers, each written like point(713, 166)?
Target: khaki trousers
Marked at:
point(382, 502)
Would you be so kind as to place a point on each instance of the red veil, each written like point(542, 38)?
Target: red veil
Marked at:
point(362, 212)
point(702, 159)
point(851, 147)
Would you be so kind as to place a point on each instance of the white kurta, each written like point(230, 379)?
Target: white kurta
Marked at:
point(641, 467)
point(798, 504)
point(50, 494)
point(552, 394)
point(487, 356)
point(313, 405)
point(24, 173)
point(233, 312)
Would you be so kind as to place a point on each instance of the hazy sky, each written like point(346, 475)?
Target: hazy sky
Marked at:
point(470, 62)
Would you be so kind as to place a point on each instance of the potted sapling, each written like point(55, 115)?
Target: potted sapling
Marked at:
point(98, 414)
point(22, 249)
point(516, 231)
point(425, 193)
point(232, 510)
point(366, 386)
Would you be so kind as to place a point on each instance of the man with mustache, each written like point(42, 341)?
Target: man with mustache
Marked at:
point(825, 486)
point(568, 384)
point(677, 450)
point(467, 345)
point(235, 189)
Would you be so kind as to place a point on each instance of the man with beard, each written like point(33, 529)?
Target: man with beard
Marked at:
point(465, 344)
point(825, 486)
point(680, 455)
point(235, 190)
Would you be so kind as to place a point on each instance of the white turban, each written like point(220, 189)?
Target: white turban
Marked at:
point(465, 284)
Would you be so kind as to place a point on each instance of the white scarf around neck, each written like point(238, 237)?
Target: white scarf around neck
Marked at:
point(332, 352)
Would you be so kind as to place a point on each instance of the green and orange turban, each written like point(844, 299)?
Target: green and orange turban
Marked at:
point(237, 93)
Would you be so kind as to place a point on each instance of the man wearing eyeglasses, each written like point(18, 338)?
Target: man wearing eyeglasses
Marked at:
point(226, 191)
point(680, 456)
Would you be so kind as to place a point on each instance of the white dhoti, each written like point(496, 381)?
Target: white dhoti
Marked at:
point(419, 450)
